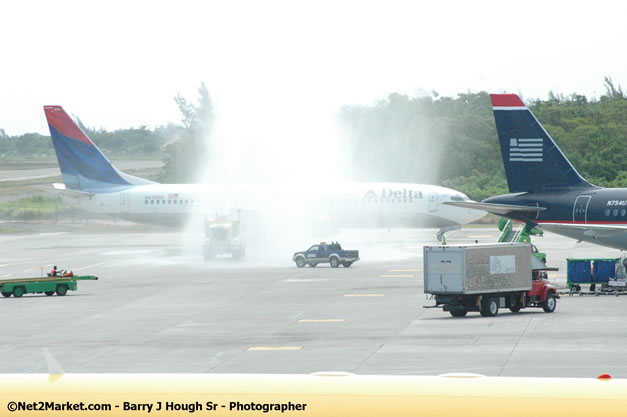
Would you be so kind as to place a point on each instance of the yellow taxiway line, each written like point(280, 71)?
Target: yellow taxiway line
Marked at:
point(260, 348)
point(363, 295)
point(397, 276)
point(321, 321)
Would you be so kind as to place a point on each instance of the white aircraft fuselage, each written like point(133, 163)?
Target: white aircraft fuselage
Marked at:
point(92, 183)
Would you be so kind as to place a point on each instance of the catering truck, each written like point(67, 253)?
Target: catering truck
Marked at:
point(487, 277)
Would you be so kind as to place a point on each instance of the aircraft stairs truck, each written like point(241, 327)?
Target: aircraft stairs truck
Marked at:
point(509, 234)
point(486, 277)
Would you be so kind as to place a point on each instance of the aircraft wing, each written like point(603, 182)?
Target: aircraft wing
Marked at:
point(499, 209)
point(592, 230)
point(60, 189)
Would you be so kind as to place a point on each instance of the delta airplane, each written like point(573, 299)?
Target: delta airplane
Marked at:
point(547, 191)
point(92, 183)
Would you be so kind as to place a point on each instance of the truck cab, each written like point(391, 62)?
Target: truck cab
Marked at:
point(224, 236)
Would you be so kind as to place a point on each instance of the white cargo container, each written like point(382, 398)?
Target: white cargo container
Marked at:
point(475, 269)
point(485, 277)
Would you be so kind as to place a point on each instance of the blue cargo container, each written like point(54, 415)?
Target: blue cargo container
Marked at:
point(590, 271)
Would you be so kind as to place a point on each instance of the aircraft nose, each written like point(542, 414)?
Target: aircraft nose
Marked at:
point(476, 214)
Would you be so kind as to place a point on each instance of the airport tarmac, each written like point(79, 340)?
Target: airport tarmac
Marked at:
point(158, 307)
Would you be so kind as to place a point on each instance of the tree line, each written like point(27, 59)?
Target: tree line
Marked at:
point(452, 141)
point(433, 139)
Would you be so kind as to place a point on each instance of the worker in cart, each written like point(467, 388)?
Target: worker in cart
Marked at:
point(62, 273)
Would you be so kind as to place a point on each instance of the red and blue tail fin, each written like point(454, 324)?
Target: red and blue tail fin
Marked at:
point(533, 162)
point(83, 165)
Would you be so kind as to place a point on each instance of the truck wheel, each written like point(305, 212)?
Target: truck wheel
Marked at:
point(48, 293)
point(300, 262)
point(313, 264)
point(6, 294)
point(489, 307)
point(18, 291)
point(458, 312)
point(550, 303)
point(515, 308)
point(335, 262)
point(347, 264)
point(61, 289)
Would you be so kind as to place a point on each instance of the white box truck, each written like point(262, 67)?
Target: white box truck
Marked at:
point(484, 278)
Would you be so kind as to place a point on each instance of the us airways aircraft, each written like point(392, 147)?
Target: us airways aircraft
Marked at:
point(547, 191)
point(92, 183)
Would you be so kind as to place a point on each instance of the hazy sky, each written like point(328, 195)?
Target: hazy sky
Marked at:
point(119, 64)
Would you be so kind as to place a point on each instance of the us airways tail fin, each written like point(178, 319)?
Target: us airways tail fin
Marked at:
point(83, 165)
point(532, 160)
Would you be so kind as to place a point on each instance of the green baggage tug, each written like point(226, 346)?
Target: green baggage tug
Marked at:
point(46, 285)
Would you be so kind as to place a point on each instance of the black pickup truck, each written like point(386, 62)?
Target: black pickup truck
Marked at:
point(331, 253)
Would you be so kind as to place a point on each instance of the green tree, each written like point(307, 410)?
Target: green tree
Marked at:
point(186, 158)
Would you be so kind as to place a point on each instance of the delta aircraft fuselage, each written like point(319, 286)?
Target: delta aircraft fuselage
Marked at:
point(91, 182)
point(352, 204)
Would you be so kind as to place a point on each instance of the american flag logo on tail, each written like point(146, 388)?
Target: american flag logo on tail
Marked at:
point(526, 150)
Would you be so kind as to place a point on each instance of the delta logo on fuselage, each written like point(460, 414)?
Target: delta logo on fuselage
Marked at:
point(390, 195)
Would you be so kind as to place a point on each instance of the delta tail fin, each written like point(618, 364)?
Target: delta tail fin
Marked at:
point(533, 162)
point(83, 166)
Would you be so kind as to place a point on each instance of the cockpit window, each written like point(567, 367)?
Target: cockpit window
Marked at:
point(458, 197)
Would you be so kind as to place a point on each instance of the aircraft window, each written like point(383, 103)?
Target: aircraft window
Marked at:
point(152, 201)
point(169, 201)
point(145, 201)
point(607, 212)
point(615, 213)
point(457, 198)
point(623, 212)
point(186, 201)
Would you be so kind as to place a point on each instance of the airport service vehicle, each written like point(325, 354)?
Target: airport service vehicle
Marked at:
point(92, 183)
point(331, 253)
point(546, 190)
point(46, 285)
point(610, 274)
point(520, 235)
point(224, 236)
point(484, 278)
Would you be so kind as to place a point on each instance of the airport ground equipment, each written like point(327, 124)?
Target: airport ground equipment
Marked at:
point(224, 237)
point(331, 253)
point(46, 285)
point(509, 234)
point(486, 277)
point(601, 274)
